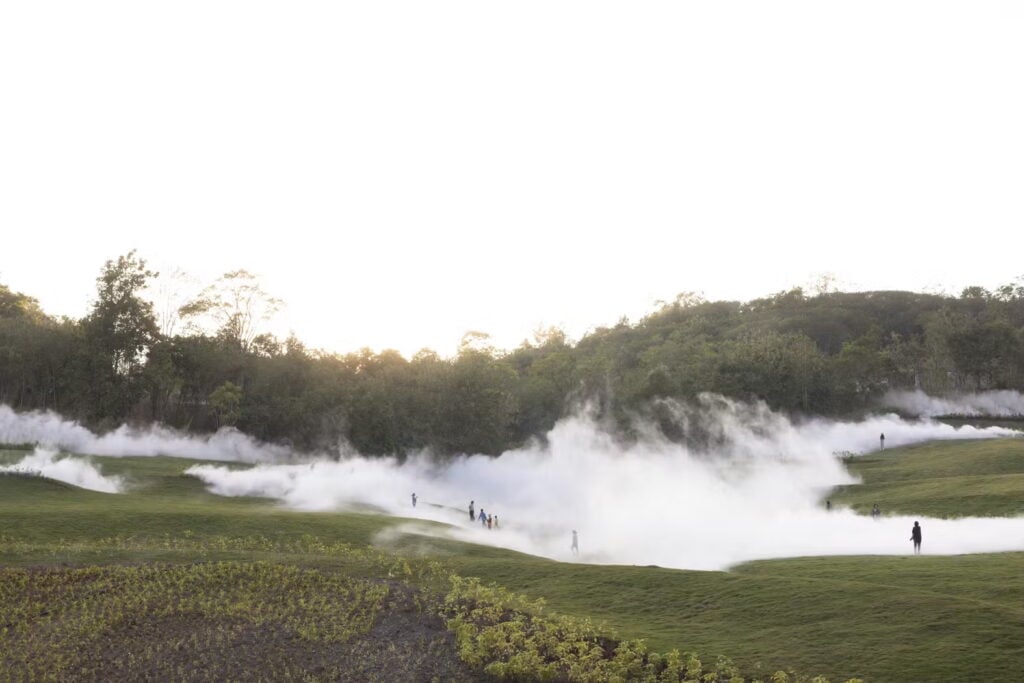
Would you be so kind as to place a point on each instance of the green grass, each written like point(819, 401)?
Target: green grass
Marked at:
point(880, 618)
point(161, 500)
point(941, 479)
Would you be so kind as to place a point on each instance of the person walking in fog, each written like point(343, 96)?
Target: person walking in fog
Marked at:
point(490, 521)
point(483, 518)
point(495, 521)
point(881, 442)
point(915, 536)
point(472, 517)
point(414, 500)
point(875, 511)
point(575, 543)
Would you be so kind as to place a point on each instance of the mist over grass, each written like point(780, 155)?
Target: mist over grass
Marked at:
point(51, 430)
point(747, 483)
point(750, 487)
point(984, 404)
point(46, 462)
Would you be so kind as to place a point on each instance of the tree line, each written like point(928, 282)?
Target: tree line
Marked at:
point(203, 363)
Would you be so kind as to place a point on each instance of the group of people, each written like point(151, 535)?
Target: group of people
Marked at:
point(486, 521)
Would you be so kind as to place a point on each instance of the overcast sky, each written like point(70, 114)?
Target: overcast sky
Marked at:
point(403, 172)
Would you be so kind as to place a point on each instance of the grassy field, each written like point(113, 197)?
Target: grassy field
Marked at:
point(879, 618)
point(941, 479)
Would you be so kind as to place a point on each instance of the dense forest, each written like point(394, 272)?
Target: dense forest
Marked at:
point(205, 364)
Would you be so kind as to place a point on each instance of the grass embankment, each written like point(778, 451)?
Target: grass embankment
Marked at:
point(982, 478)
point(880, 618)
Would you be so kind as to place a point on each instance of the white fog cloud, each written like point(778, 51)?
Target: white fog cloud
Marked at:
point(45, 462)
point(984, 404)
point(754, 493)
point(50, 429)
point(747, 486)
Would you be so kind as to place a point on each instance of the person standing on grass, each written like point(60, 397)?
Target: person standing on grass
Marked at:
point(414, 500)
point(575, 543)
point(472, 517)
point(881, 442)
point(915, 536)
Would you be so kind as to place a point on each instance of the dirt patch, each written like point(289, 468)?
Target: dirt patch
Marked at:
point(409, 642)
point(93, 625)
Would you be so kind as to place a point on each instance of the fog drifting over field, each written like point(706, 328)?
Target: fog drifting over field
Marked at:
point(52, 430)
point(988, 403)
point(751, 491)
point(747, 486)
point(45, 462)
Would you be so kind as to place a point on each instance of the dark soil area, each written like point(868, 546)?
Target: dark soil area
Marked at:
point(407, 641)
point(406, 644)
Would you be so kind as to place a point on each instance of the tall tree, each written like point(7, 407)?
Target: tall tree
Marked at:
point(122, 324)
point(170, 291)
point(237, 304)
point(119, 332)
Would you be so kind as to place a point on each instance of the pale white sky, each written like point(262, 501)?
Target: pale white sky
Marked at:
point(402, 172)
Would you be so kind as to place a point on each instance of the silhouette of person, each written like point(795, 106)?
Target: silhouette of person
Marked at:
point(875, 511)
point(495, 521)
point(881, 441)
point(828, 504)
point(414, 500)
point(575, 543)
point(490, 521)
point(483, 517)
point(472, 517)
point(915, 536)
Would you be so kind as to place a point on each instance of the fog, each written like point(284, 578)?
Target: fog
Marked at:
point(747, 484)
point(750, 487)
point(52, 430)
point(45, 462)
point(988, 404)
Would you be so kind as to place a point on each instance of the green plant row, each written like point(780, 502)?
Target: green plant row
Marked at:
point(190, 546)
point(512, 638)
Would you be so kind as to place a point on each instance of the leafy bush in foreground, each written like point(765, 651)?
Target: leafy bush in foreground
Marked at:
point(510, 637)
